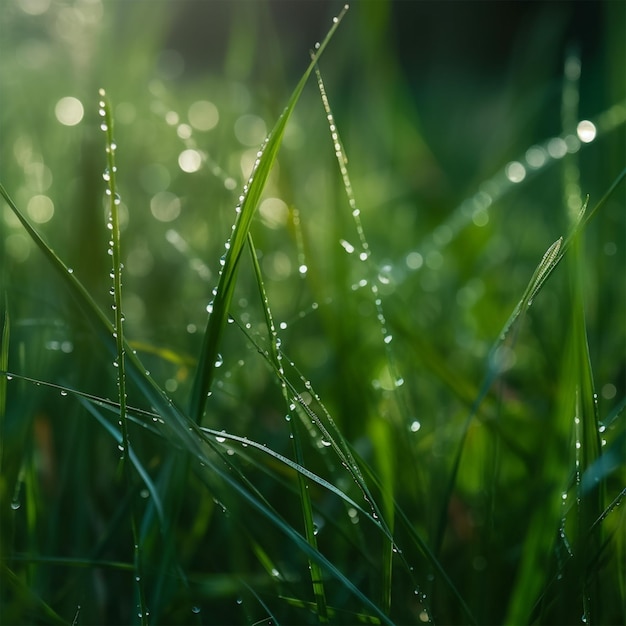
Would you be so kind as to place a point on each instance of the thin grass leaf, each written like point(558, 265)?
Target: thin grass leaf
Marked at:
point(173, 418)
point(4, 366)
point(330, 433)
point(38, 610)
point(245, 211)
point(381, 431)
point(137, 464)
point(305, 498)
point(110, 176)
point(543, 271)
point(354, 618)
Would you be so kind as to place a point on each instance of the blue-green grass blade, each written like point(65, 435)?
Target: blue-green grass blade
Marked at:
point(245, 211)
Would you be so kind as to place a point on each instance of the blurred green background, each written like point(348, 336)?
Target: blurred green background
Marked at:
point(461, 124)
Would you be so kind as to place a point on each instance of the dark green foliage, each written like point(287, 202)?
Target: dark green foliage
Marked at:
point(406, 403)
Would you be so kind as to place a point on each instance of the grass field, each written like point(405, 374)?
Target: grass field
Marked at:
point(299, 332)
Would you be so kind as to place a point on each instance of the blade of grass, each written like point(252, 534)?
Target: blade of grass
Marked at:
point(380, 430)
point(4, 366)
point(336, 440)
point(110, 176)
point(35, 608)
point(305, 498)
point(245, 211)
point(551, 259)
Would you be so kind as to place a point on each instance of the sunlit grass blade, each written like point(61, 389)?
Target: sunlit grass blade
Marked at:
point(380, 431)
point(245, 211)
point(305, 498)
point(113, 225)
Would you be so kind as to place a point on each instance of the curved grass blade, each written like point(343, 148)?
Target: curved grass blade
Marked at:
point(141, 470)
point(337, 442)
point(245, 211)
point(172, 418)
point(550, 260)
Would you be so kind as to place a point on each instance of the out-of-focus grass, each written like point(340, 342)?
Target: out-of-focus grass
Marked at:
point(355, 388)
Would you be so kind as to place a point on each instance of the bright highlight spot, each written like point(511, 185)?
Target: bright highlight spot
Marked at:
point(535, 156)
point(414, 260)
point(69, 111)
point(250, 130)
point(203, 115)
point(165, 206)
point(557, 148)
point(40, 208)
point(586, 131)
point(274, 212)
point(189, 161)
point(34, 7)
point(515, 172)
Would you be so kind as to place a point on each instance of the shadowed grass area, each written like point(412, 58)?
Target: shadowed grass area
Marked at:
point(388, 387)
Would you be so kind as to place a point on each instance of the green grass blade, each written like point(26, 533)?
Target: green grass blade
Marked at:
point(550, 260)
point(380, 431)
point(245, 211)
point(174, 420)
point(110, 176)
point(305, 499)
point(4, 366)
point(34, 609)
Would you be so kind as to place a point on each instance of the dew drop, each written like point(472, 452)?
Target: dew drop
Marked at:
point(195, 609)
